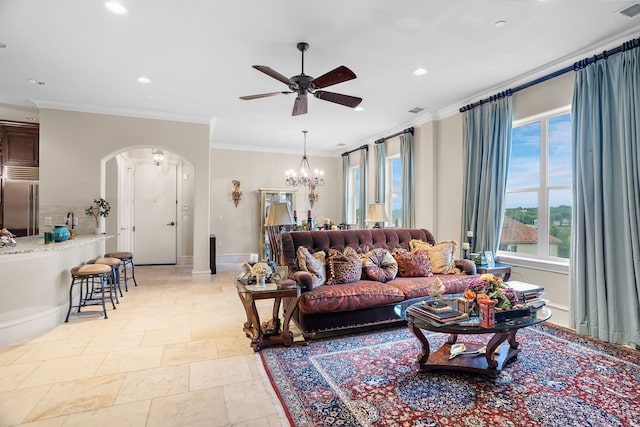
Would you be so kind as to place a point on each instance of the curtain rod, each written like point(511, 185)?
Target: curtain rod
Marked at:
point(362, 147)
point(407, 130)
point(631, 44)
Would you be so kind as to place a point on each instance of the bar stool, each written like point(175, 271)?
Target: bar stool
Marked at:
point(114, 279)
point(127, 260)
point(87, 275)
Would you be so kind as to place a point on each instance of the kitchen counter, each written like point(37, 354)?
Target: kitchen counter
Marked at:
point(35, 280)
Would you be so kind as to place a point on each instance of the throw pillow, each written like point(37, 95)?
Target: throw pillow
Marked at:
point(344, 267)
point(314, 264)
point(413, 264)
point(380, 265)
point(441, 255)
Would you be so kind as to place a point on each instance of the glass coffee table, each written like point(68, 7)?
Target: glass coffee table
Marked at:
point(489, 359)
point(273, 331)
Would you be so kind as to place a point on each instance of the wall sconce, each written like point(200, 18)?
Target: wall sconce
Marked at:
point(313, 195)
point(236, 194)
point(158, 156)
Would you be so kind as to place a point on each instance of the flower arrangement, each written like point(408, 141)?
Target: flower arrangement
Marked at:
point(490, 287)
point(260, 268)
point(7, 238)
point(100, 208)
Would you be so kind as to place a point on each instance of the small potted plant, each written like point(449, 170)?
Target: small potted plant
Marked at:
point(99, 208)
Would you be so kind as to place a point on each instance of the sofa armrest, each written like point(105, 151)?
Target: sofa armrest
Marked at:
point(304, 279)
point(466, 266)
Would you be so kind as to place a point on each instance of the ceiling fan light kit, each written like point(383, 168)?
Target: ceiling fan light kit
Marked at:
point(303, 85)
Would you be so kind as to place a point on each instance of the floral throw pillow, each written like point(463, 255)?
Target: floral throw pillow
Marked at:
point(379, 265)
point(344, 267)
point(413, 264)
point(314, 264)
point(441, 255)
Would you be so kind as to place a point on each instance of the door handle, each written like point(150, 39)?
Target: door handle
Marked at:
point(172, 223)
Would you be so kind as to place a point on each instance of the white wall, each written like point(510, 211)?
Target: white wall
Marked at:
point(236, 228)
point(74, 145)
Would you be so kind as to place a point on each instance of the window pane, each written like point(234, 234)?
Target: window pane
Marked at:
point(396, 192)
point(560, 150)
point(520, 227)
point(356, 194)
point(524, 166)
point(560, 202)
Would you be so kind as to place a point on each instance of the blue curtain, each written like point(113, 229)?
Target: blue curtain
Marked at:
point(345, 189)
point(381, 160)
point(605, 257)
point(406, 159)
point(486, 153)
point(364, 185)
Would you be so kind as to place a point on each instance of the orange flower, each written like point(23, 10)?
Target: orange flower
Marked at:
point(469, 294)
point(483, 298)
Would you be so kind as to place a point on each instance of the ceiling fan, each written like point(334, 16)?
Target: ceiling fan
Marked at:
point(303, 85)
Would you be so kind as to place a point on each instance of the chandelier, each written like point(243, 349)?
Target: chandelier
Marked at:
point(303, 177)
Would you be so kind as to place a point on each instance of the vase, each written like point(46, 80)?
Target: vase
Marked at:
point(97, 230)
point(60, 233)
point(261, 280)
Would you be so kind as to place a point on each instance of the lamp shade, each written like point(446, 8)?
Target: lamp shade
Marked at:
point(278, 215)
point(377, 213)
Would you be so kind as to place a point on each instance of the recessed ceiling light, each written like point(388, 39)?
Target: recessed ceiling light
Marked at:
point(416, 110)
point(144, 80)
point(341, 144)
point(420, 72)
point(2, 45)
point(358, 109)
point(115, 7)
point(499, 24)
point(36, 82)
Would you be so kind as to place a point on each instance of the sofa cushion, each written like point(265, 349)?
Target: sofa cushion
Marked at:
point(441, 255)
point(415, 287)
point(345, 297)
point(314, 264)
point(344, 267)
point(379, 265)
point(413, 264)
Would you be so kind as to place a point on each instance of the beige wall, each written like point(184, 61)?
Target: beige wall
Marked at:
point(75, 147)
point(236, 228)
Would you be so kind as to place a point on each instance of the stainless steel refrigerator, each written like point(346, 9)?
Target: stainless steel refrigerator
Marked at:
point(20, 200)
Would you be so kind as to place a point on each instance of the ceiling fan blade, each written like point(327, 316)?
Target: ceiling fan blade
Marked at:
point(339, 75)
point(262, 95)
point(273, 73)
point(338, 98)
point(300, 105)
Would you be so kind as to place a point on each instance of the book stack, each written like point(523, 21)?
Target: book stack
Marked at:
point(436, 313)
point(530, 294)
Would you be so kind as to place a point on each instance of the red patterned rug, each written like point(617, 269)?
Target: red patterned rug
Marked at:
point(559, 379)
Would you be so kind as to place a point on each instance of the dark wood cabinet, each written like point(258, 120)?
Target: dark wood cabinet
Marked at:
point(20, 145)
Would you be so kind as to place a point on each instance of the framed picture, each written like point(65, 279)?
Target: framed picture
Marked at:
point(282, 271)
point(488, 255)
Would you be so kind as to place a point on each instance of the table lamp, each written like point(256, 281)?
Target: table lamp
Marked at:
point(377, 214)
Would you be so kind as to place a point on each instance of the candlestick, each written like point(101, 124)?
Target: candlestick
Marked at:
point(465, 245)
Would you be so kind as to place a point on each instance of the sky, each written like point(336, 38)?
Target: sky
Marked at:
point(524, 170)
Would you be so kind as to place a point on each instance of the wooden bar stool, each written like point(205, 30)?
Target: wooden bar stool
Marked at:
point(114, 279)
point(127, 260)
point(87, 276)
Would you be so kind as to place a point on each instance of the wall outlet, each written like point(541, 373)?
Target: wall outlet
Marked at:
point(47, 220)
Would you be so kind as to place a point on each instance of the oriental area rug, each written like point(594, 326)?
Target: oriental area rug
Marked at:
point(558, 379)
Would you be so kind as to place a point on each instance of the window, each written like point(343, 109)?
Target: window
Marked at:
point(394, 190)
point(354, 195)
point(537, 219)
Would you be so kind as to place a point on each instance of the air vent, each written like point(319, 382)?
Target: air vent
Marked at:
point(631, 11)
point(21, 173)
point(416, 110)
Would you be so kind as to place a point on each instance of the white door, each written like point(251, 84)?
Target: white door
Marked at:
point(155, 204)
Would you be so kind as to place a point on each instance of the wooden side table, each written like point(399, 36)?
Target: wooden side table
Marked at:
point(272, 332)
point(502, 270)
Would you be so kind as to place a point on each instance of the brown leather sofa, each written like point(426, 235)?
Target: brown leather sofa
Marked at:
point(335, 309)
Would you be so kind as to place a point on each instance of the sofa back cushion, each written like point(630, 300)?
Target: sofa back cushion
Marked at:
point(361, 240)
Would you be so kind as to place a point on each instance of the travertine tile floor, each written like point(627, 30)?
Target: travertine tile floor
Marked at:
point(172, 354)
